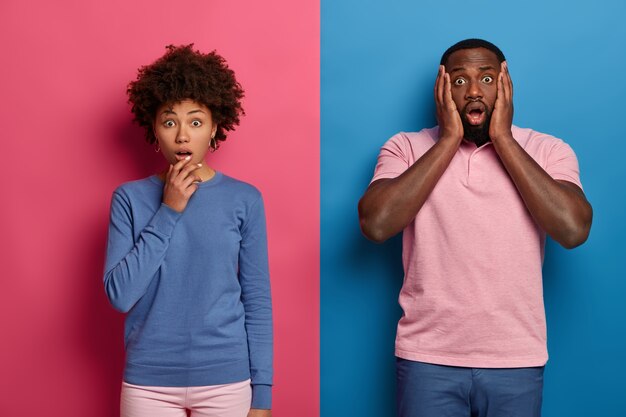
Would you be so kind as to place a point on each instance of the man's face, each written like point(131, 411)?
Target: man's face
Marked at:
point(473, 74)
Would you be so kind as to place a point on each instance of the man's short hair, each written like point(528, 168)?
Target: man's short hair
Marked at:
point(471, 44)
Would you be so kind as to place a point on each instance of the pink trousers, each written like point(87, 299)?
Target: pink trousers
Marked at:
point(228, 400)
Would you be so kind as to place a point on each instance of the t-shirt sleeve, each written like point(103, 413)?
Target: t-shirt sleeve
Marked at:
point(393, 158)
point(562, 163)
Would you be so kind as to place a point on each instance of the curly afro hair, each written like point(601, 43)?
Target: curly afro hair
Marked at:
point(187, 74)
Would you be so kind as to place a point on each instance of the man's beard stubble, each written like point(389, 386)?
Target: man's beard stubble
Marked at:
point(479, 135)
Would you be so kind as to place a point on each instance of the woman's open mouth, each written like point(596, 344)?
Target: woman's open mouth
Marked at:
point(180, 155)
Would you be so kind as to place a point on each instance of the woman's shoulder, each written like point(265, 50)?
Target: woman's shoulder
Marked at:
point(241, 189)
point(141, 186)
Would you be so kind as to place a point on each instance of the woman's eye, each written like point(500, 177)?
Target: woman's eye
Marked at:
point(196, 123)
point(169, 123)
point(459, 81)
point(488, 79)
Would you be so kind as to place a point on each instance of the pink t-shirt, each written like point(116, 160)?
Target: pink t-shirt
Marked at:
point(472, 293)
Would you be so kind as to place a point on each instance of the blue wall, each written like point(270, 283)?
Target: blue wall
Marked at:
point(379, 60)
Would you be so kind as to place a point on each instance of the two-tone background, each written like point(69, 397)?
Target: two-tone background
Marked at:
point(326, 84)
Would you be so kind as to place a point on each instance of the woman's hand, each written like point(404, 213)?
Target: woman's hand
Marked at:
point(257, 412)
point(180, 184)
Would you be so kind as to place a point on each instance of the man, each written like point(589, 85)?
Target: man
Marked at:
point(474, 198)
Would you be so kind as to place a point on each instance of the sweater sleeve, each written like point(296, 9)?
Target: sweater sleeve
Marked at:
point(256, 298)
point(131, 265)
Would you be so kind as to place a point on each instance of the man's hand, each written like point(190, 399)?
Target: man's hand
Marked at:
point(448, 117)
point(257, 412)
point(389, 204)
point(502, 116)
point(180, 184)
point(559, 207)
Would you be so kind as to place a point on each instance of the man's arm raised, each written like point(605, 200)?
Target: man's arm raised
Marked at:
point(559, 207)
point(389, 204)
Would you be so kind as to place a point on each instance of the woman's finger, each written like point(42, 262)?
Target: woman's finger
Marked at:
point(178, 167)
point(190, 179)
point(187, 170)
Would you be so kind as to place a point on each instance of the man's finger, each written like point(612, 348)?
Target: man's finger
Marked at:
point(448, 94)
point(509, 81)
point(436, 89)
point(502, 77)
point(439, 86)
point(500, 97)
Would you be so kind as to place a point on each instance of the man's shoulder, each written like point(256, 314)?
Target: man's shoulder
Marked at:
point(529, 137)
point(544, 148)
point(426, 134)
point(425, 137)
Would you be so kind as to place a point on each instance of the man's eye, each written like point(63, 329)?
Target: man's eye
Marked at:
point(488, 79)
point(169, 123)
point(196, 123)
point(459, 81)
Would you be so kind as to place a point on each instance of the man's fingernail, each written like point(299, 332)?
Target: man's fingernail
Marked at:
point(199, 165)
point(187, 158)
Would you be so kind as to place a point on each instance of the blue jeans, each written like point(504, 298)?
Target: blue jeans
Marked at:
point(426, 390)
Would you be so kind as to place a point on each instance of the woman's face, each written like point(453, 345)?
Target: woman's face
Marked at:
point(184, 129)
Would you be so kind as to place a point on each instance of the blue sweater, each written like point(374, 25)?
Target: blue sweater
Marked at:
point(195, 285)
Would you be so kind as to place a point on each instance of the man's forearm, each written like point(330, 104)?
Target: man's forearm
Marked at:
point(389, 205)
point(559, 207)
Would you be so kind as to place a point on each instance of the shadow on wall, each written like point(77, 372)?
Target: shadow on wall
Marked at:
point(382, 314)
point(100, 329)
point(421, 108)
point(376, 277)
point(129, 150)
point(370, 276)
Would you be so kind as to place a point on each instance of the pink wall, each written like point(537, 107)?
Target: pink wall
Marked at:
point(68, 141)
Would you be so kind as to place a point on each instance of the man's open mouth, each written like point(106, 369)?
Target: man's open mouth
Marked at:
point(476, 113)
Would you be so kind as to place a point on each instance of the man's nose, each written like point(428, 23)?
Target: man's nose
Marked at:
point(473, 90)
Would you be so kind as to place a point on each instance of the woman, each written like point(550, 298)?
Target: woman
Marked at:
point(187, 254)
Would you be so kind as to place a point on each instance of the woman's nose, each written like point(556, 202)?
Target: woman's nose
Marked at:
point(182, 136)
